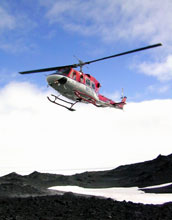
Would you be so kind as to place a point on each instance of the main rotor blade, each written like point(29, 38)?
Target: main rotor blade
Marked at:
point(47, 69)
point(124, 53)
point(88, 62)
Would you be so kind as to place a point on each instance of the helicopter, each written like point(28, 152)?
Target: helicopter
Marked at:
point(81, 87)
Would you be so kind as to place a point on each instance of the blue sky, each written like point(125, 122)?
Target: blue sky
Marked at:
point(38, 34)
point(45, 33)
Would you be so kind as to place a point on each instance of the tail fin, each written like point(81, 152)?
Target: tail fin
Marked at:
point(124, 99)
point(120, 105)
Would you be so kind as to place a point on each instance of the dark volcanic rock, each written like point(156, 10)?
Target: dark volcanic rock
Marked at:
point(164, 189)
point(70, 206)
point(16, 190)
point(153, 172)
point(15, 185)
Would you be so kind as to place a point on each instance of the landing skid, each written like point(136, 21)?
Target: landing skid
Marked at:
point(64, 106)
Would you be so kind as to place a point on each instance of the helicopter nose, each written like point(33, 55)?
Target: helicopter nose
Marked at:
point(56, 79)
point(51, 79)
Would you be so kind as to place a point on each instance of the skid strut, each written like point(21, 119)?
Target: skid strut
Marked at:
point(64, 106)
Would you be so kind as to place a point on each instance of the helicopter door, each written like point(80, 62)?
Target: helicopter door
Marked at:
point(73, 75)
point(81, 79)
point(89, 86)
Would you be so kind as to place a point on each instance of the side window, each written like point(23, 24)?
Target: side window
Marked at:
point(93, 85)
point(73, 75)
point(87, 82)
point(81, 79)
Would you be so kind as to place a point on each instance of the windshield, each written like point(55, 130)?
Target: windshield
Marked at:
point(64, 71)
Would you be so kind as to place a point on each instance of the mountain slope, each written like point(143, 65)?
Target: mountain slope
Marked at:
point(153, 172)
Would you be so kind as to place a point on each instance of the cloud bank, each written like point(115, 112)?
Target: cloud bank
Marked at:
point(37, 135)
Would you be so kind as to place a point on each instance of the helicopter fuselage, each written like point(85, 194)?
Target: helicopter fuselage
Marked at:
point(69, 87)
point(78, 86)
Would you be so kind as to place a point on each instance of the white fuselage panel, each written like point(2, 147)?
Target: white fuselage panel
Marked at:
point(71, 86)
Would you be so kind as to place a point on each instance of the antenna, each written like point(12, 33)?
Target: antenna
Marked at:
point(122, 93)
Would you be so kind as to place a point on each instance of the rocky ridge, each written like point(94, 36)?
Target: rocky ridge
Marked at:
point(27, 197)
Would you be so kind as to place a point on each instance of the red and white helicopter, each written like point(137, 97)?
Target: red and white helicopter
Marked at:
point(80, 87)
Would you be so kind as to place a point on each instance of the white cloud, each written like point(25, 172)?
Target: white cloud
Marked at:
point(161, 70)
point(6, 74)
point(7, 21)
point(112, 20)
point(15, 25)
point(18, 47)
point(116, 95)
point(158, 89)
point(37, 135)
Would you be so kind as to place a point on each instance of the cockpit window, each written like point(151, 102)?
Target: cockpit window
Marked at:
point(73, 75)
point(64, 71)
